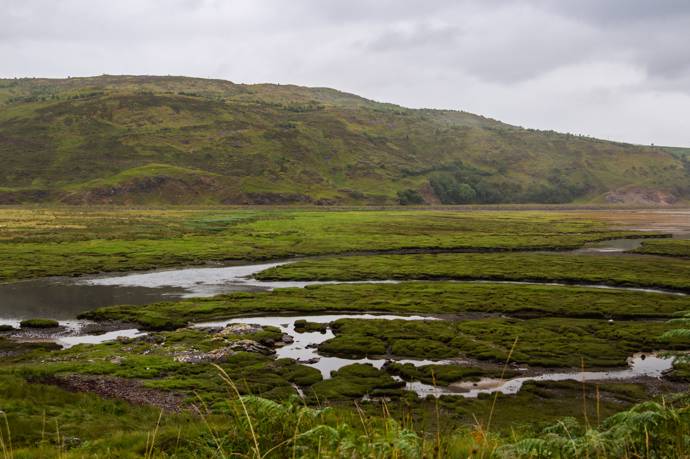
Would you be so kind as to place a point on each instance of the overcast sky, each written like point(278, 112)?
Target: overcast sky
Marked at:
point(616, 69)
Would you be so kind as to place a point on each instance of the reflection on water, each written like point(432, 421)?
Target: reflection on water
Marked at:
point(304, 347)
point(611, 246)
point(649, 365)
point(69, 341)
point(64, 298)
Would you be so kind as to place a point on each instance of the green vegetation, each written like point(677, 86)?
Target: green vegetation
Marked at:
point(153, 140)
point(355, 381)
point(443, 374)
point(407, 298)
point(223, 392)
point(550, 342)
point(667, 247)
point(45, 421)
point(181, 361)
point(39, 323)
point(618, 271)
point(45, 242)
point(304, 326)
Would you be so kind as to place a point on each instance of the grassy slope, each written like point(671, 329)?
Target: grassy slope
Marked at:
point(95, 139)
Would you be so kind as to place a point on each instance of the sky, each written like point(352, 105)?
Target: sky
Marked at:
point(613, 69)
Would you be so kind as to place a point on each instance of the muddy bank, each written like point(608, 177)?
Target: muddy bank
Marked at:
point(129, 390)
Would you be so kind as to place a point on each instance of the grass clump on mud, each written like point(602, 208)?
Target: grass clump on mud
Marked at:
point(549, 342)
point(633, 271)
point(355, 381)
point(39, 323)
point(666, 247)
point(407, 298)
point(442, 374)
point(305, 326)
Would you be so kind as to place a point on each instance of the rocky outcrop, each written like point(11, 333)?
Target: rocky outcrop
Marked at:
point(222, 354)
point(641, 197)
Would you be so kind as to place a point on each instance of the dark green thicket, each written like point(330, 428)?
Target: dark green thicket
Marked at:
point(39, 323)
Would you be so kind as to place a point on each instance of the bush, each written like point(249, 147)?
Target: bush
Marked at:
point(39, 323)
point(409, 197)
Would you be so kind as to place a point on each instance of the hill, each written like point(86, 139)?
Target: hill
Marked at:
point(157, 140)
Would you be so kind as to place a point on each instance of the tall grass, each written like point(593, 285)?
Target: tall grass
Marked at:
point(256, 428)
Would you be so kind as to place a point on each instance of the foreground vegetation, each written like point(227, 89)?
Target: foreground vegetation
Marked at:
point(180, 391)
point(48, 422)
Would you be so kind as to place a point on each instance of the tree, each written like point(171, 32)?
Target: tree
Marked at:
point(410, 197)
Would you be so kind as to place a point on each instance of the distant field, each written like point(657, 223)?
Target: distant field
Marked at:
point(71, 241)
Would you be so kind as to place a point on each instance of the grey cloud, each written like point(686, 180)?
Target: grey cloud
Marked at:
point(517, 60)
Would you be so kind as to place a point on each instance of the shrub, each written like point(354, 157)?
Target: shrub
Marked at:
point(409, 197)
point(39, 323)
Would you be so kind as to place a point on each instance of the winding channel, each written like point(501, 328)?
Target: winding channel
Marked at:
point(64, 298)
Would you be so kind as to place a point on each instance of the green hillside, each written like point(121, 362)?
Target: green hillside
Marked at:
point(149, 140)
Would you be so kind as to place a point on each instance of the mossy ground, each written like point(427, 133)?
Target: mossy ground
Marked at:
point(666, 247)
point(48, 242)
point(555, 326)
point(408, 298)
point(634, 271)
point(549, 342)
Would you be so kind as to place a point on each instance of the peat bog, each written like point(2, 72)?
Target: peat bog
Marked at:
point(362, 322)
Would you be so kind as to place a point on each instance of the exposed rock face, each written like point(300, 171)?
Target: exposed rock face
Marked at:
point(641, 196)
point(222, 354)
point(169, 189)
point(239, 329)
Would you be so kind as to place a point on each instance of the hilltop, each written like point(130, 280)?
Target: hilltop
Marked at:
point(179, 140)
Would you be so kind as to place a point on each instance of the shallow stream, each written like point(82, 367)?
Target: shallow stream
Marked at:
point(304, 349)
point(64, 298)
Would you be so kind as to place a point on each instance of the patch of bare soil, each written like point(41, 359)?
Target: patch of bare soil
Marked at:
point(641, 197)
point(675, 220)
point(129, 390)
